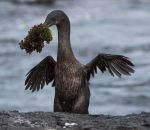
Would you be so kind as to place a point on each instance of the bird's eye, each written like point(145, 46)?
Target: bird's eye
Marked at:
point(63, 20)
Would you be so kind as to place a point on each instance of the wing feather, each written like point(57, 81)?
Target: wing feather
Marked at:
point(40, 74)
point(115, 64)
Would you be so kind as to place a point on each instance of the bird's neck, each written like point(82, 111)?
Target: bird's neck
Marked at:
point(64, 47)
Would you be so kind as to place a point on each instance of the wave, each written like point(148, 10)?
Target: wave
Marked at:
point(30, 1)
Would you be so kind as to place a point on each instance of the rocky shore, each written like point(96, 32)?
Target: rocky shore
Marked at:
point(59, 121)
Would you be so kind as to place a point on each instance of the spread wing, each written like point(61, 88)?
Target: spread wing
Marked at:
point(40, 74)
point(115, 64)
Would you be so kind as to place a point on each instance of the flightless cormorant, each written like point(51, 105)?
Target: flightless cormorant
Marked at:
point(70, 77)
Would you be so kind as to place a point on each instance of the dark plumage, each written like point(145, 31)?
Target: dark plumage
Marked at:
point(70, 77)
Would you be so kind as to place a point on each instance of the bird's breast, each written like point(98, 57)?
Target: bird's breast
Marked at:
point(69, 80)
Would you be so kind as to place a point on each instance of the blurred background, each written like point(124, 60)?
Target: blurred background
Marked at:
point(97, 26)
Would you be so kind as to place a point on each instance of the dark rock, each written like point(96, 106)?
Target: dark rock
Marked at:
point(58, 121)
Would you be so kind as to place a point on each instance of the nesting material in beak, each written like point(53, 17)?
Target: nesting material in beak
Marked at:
point(35, 39)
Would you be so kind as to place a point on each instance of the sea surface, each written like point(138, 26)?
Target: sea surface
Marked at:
point(97, 26)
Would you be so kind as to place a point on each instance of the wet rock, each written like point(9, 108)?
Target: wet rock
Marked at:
point(58, 121)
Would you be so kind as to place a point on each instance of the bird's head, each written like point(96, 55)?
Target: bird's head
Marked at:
point(56, 17)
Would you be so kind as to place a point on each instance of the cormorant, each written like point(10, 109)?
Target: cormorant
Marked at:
point(70, 77)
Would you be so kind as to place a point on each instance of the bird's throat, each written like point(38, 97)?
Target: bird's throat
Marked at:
point(64, 46)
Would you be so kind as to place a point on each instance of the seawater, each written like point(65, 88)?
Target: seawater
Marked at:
point(97, 26)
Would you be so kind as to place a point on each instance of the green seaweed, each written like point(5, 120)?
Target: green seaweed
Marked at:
point(35, 39)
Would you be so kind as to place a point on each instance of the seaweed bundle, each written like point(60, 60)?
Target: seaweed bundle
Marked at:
point(35, 39)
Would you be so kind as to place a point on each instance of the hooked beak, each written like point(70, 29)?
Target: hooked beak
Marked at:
point(49, 23)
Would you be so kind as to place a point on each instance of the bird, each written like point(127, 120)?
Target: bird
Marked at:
point(68, 76)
